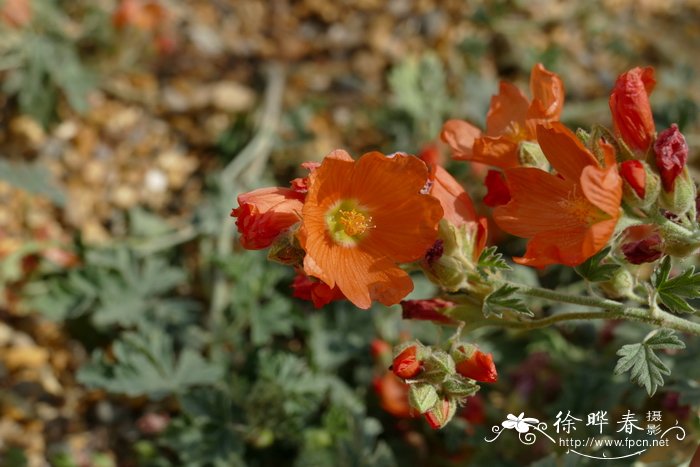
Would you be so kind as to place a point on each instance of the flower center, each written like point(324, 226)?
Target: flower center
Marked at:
point(354, 223)
point(348, 222)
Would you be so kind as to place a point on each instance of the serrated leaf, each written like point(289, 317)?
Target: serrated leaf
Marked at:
point(593, 270)
point(490, 258)
point(675, 292)
point(501, 300)
point(645, 367)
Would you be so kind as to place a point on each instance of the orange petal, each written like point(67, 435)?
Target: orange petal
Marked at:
point(456, 203)
point(536, 203)
point(567, 155)
point(564, 246)
point(603, 188)
point(508, 106)
point(460, 136)
point(498, 151)
point(547, 94)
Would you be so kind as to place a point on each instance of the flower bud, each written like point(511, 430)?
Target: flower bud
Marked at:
point(498, 192)
point(474, 364)
point(530, 154)
point(682, 198)
point(406, 364)
point(427, 310)
point(441, 413)
point(422, 397)
point(620, 285)
point(438, 366)
point(642, 244)
point(671, 152)
point(630, 108)
point(459, 388)
point(314, 290)
point(634, 174)
point(450, 260)
point(263, 214)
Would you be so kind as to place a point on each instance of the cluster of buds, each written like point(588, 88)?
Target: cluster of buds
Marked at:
point(440, 381)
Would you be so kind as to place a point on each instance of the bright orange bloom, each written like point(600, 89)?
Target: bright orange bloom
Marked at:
point(511, 119)
point(361, 218)
point(263, 214)
point(630, 108)
point(570, 216)
point(393, 395)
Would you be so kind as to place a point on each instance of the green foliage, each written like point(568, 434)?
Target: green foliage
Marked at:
point(675, 292)
point(148, 364)
point(43, 62)
point(491, 259)
point(117, 288)
point(595, 270)
point(32, 178)
point(502, 300)
point(419, 90)
point(645, 367)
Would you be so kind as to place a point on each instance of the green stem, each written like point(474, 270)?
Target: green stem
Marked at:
point(613, 310)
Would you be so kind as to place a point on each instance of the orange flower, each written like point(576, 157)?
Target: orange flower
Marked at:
point(570, 216)
point(511, 119)
point(363, 217)
point(263, 214)
point(630, 108)
point(393, 395)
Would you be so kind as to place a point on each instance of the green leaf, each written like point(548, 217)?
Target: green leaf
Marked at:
point(645, 367)
point(490, 258)
point(32, 178)
point(594, 270)
point(502, 300)
point(148, 365)
point(674, 292)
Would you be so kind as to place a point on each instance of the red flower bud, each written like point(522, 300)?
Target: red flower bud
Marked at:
point(265, 213)
point(498, 192)
point(630, 108)
point(406, 364)
point(478, 365)
point(671, 155)
point(643, 244)
point(314, 290)
point(427, 310)
point(633, 172)
point(439, 415)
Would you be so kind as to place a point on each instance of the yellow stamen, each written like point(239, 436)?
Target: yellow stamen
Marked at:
point(354, 223)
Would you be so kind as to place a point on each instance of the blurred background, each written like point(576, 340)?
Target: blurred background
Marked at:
point(133, 328)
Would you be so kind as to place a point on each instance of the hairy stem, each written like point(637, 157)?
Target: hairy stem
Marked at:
point(612, 310)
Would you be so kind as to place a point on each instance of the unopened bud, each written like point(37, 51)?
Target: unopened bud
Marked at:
point(449, 262)
point(439, 366)
point(642, 244)
point(530, 154)
point(427, 310)
point(620, 285)
point(406, 364)
point(682, 198)
point(422, 397)
point(441, 413)
point(286, 250)
point(459, 388)
point(474, 364)
point(671, 152)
